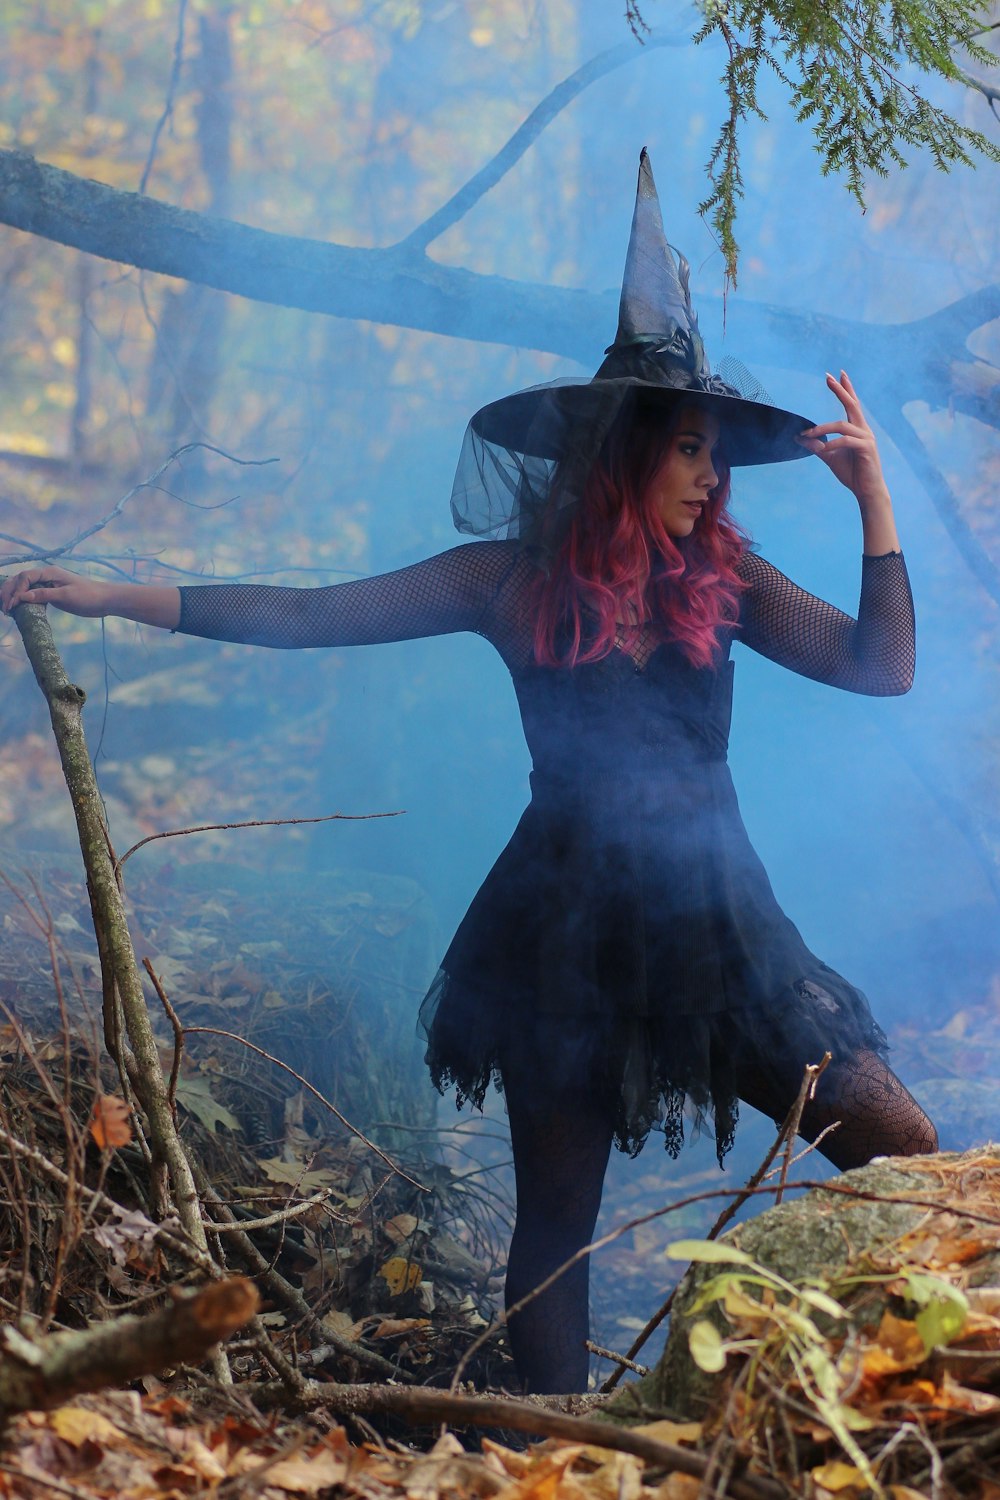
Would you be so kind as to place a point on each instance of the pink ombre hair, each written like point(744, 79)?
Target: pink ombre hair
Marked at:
point(618, 563)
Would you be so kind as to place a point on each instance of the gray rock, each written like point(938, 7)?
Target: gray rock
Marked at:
point(814, 1235)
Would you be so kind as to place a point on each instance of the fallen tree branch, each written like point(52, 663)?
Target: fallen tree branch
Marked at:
point(44, 1374)
point(425, 1406)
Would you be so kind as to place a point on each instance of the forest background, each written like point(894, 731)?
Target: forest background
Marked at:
point(352, 124)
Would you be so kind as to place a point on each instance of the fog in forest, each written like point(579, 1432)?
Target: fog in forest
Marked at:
point(876, 819)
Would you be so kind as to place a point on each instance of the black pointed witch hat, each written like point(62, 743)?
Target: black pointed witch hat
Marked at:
point(657, 358)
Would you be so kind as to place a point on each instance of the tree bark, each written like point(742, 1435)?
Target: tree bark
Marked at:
point(400, 286)
point(39, 1376)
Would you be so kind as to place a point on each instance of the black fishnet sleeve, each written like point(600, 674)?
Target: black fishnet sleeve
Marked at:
point(453, 591)
point(873, 654)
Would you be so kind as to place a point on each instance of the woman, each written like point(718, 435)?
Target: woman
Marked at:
point(626, 955)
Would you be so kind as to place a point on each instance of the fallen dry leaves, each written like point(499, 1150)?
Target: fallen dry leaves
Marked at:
point(122, 1446)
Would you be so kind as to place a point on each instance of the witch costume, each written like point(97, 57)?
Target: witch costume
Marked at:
point(627, 941)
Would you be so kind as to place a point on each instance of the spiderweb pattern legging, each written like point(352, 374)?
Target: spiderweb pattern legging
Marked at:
point(561, 1147)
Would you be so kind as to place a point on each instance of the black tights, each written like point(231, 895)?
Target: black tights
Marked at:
point(561, 1147)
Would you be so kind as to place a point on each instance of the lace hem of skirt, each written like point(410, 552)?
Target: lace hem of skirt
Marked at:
point(653, 1071)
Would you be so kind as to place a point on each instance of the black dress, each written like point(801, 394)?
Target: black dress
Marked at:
point(627, 941)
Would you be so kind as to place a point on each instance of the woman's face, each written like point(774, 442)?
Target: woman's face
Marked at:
point(680, 485)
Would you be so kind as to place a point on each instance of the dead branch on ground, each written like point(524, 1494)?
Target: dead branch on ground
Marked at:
point(41, 1374)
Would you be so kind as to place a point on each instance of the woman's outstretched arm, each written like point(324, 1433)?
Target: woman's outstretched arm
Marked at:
point(147, 604)
point(450, 592)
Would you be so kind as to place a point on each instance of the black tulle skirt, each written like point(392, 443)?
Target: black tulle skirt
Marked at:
point(627, 942)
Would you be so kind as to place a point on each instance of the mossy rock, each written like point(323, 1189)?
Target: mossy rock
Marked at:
point(817, 1235)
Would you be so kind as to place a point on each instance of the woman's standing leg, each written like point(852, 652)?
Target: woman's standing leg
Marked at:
point(561, 1146)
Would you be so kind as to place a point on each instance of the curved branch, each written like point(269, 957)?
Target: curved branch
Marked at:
point(528, 132)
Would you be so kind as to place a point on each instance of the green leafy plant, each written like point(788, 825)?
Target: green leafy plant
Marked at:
point(780, 1334)
point(855, 72)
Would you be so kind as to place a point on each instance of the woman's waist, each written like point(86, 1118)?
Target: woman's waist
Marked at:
point(635, 781)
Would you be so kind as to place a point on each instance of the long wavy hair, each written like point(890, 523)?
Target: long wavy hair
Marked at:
point(618, 571)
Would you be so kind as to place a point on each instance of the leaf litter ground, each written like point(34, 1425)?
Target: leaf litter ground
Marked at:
point(410, 1276)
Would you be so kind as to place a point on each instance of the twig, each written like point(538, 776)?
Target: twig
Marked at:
point(163, 1236)
point(269, 1057)
point(46, 554)
point(618, 1359)
point(423, 1406)
point(790, 1129)
point(175, 1022)
point(790, 1124)
point(46, 1483)
point(38, 1375)
point(176, 833)
point(814, 1145)
point(247, 1226)
point(266, 1346)
point(964, 1458)
point(291, 1298)
point(168, 106)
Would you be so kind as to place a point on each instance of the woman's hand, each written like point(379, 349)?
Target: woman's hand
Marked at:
point(852, 455)
point(51, 585)
point(147, 603)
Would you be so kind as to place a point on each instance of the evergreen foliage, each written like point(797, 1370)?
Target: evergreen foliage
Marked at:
point(852, 68)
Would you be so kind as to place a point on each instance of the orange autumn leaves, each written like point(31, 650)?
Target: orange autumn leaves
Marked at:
point(110, 1122)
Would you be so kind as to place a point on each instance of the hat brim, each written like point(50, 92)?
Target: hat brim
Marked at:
point(547, 421)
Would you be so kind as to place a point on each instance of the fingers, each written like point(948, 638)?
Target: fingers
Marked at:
point(845, 393)
point(30, 587)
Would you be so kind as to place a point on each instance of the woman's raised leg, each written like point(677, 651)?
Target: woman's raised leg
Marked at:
point(561, 1147)
point(876, 1114)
